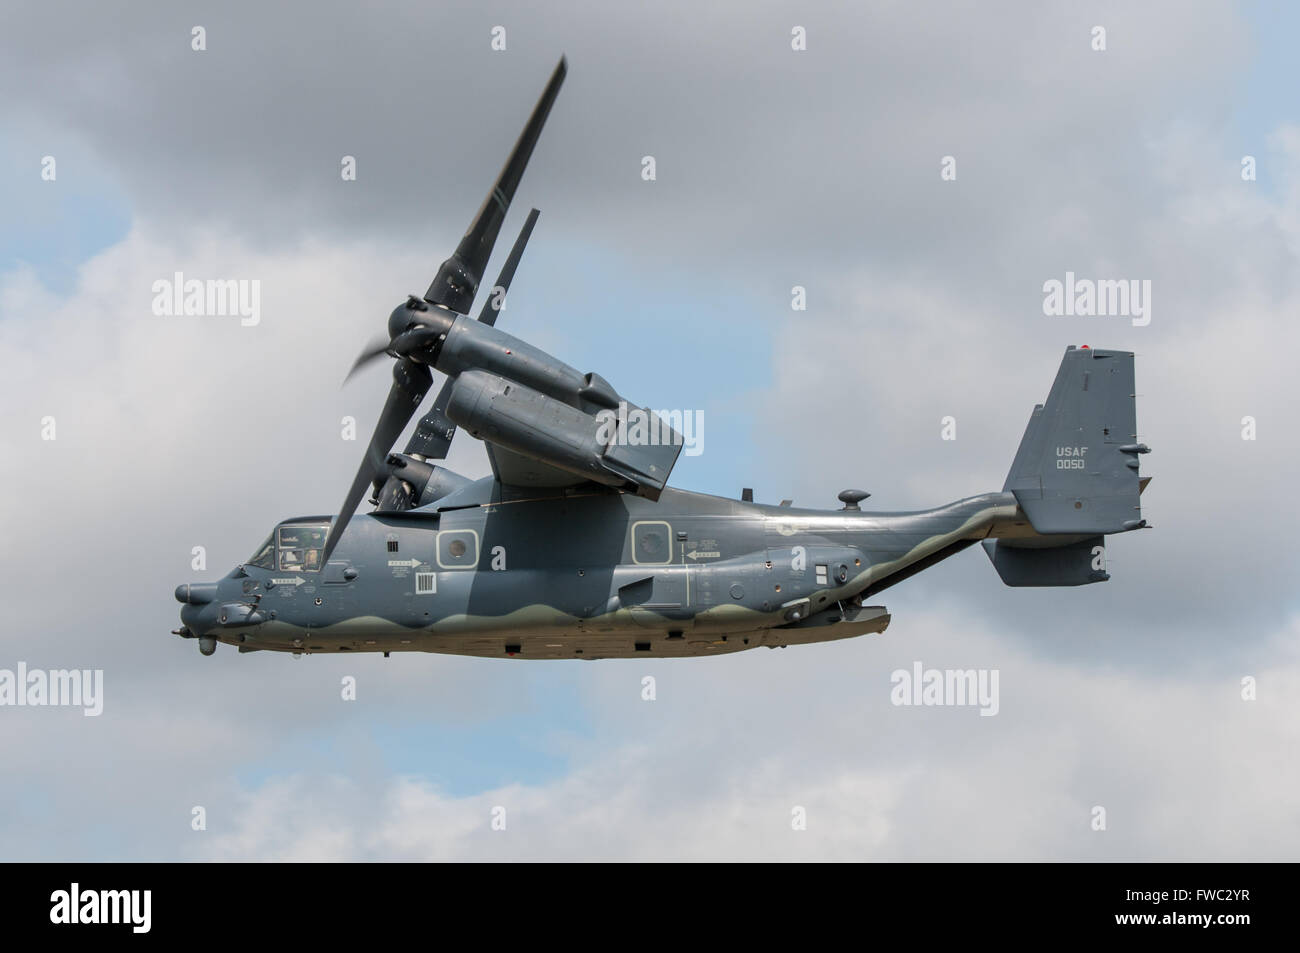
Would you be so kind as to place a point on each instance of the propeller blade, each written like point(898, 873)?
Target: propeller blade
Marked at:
point(458, 279)
point(375, 349)
point(432, 437)
point(490, 311)
point(407, 342)
point(410, 383)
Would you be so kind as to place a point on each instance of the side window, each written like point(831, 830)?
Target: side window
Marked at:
point(301, 547)
point(457, 549)
point(652, 543)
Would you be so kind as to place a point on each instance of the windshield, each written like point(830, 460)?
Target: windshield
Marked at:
point(265, 555)
point(301, 546)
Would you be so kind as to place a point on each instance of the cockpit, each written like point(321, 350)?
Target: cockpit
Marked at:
point(293, 546)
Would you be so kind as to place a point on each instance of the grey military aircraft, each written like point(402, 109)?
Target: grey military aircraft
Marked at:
point(575, 547)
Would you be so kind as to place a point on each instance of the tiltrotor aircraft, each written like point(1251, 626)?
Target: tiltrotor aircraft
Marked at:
point(576, 548)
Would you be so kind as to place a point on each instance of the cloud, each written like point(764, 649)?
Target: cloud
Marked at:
point(1184, 769)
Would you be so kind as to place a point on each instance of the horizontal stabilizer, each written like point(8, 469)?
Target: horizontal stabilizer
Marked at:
point(1074, 564)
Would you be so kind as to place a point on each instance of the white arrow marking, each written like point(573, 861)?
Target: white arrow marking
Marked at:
point(409, 563)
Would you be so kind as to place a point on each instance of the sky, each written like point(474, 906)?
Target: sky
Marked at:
point(775, 168)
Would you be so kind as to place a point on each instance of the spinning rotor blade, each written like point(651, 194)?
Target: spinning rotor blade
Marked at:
point(410, 383)
point(375, 349)
point(458, 279)
point(400, 346)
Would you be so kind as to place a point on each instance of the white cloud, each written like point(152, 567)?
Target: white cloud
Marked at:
point(1185, 769)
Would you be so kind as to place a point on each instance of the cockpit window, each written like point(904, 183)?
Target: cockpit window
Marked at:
point(265, 557)
point(301, 546)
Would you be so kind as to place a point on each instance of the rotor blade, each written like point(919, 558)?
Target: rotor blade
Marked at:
point(376, 348)
point(405, 343)
point(432, 437)
point(410, 383)
point(491, 307)
point(457, 280)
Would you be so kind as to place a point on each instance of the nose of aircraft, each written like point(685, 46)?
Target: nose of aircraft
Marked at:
point(195, 618)
point(198, 613)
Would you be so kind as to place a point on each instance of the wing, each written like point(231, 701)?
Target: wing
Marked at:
point(515, 469)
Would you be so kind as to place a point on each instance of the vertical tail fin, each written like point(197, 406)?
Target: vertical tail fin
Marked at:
point(1075, 476)
point(1076, 471)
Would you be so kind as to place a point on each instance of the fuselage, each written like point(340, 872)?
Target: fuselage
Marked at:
point(580, 573)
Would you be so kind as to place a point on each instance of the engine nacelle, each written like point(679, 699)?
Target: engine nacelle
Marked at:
point(474, 346)
point(516, 417)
